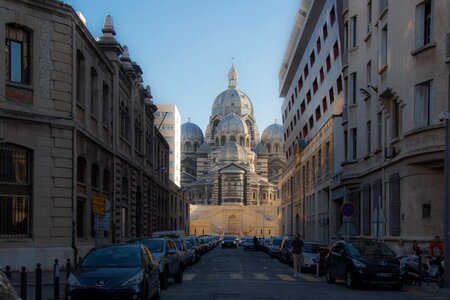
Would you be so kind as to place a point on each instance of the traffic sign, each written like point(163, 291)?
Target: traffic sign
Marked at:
point(348, 209)
point(98, 205)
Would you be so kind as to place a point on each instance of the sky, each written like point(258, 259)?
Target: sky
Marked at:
point(185, 48)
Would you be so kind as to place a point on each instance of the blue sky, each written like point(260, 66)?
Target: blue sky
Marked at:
point(184, 48)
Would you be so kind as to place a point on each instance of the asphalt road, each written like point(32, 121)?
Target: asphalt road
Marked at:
point(237, 274)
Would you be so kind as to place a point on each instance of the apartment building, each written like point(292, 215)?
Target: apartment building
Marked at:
point(396, 74)
point(312, 87)
point(168, 121)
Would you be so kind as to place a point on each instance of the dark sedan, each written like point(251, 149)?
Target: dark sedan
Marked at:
point(115, 272)
point(229, 241)
point(363, 261)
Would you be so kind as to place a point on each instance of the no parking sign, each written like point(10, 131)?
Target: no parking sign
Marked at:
point(348, 209)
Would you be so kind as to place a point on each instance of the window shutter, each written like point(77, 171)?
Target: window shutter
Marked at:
point(420, 21)
point(394, 205)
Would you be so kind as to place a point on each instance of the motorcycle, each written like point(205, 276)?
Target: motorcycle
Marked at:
point(433, 271)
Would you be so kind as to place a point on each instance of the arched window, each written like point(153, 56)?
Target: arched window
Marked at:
point(232, 138)
point(195, 146)
point(223, 140)
point(277, 148)
point(269, 147)
point(18, 54)
point(187, 146)
point(15, 207)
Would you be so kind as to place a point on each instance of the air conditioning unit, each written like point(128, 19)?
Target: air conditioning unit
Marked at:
point(389, 151)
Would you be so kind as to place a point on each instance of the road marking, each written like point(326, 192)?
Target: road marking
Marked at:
point(260, 276)
point(189, 277)
point(310, 278)
point(236, 276)
point(285, 277)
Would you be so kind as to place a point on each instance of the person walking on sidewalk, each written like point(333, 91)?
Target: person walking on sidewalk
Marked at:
point(297, 254)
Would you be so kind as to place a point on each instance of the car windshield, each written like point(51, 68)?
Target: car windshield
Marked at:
point(311, 248)
point(276, 242)
point(229, 238)
point(156, 246)
point(369, 248)
point(114, 257)
point(178, 244)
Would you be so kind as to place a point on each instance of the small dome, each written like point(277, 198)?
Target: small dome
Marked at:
point(232, 124)
point(191, 132)
point(273, 133)
point(232, 152)
point(204, 148)
point(260, 149)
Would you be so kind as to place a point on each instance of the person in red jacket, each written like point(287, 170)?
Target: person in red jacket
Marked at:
point(436, 248)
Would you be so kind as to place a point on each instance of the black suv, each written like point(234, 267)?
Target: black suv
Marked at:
point(363, 261)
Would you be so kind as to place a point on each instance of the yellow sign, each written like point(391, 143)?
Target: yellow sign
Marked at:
point(98, 205)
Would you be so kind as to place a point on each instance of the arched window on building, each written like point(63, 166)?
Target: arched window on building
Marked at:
point(277, 148)
point(187, 146)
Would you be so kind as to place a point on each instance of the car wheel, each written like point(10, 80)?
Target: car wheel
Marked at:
point(179, 277)
point(164, 279)
point(350, 280)
point(330, 278)
point(157, 294)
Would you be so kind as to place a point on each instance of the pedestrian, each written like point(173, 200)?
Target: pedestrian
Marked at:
point(400, 249)
point(255, 243)
point(436, 248)
point(417, 252)
point(297, 254)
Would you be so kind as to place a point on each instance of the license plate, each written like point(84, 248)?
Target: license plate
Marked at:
point(384, 274)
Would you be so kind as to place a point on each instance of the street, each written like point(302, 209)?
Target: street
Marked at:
point(238, 274)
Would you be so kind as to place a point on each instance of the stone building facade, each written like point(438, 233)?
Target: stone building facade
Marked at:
point(81, 161)
point(394, 139)
point(312, 87)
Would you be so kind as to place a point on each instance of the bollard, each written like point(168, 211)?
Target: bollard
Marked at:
point(38, 289)
point(23, 284)
point(56, 280)
point(68, 268)
point(8, 272)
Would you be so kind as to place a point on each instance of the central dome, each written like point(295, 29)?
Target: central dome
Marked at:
point(232, 124)
point(232, 152)
point(273, 133)
point(232, 99)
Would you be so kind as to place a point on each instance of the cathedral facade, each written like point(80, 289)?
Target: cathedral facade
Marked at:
point(231, 165)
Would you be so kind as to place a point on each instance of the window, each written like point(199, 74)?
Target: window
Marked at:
point(105, 104)
point(331, 94)
point(426, 211)
point(302, 107)
point(305, 130)
point(369, 73)
point(394, 205)
point(379, 129)
point(15, 191)
point(81, 169)
point(312, 58)
point(384, 47)
point(396, 119)
point(81, 212)
point(383, 5)
point(325, 31)
point(335, 50)
point(422, 105)
point(319, 163)
point(318, 45)
point(322, 75)
point(345, 37)
point(346, 144)
point(328, 61)
point(80, 78)
point(324, 104)
point(124, 121)
point(94, 93)
point(353, 87)
point(423, 24)
point(354, 143)
point(311, 122)
point(315, 86)
point(300, 83)
point(318, 114)
point(369, 16)
point(306, 71)
point(106, 181)
point(369, 136)
point(94, 176)
point(313, 168)
point(339, 84)
point(353, 28)
point(327, 157)
point(332, 16)
point(18, 53)
point(308, 97)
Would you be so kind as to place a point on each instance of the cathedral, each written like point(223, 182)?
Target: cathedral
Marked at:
point(231, 172)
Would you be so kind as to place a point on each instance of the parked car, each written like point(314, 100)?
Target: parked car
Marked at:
point(311, 255)
point(249, 245)
point(196, 244)
point(7, 290)
point(240, 241)
point(168, 256)
point(363, 261)
point(275, 244)
point(285, 254)
point(182, 251)
point(190, 253)
point(229, 241)
point(107, 272)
